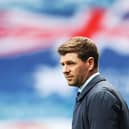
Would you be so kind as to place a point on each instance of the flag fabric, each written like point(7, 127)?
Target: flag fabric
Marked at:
point(33, 91)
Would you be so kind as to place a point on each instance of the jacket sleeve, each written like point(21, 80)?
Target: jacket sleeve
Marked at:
point(103, 111)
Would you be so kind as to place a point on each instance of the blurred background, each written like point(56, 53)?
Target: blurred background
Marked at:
point(33, 91)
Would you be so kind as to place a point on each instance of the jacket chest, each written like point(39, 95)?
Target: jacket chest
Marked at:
point(80, 120)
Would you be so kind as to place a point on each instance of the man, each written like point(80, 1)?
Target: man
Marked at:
point(98, 105)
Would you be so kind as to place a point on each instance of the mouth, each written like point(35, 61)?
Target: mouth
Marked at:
point(69, 77)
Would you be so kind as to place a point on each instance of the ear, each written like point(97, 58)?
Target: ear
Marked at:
point(90, 62)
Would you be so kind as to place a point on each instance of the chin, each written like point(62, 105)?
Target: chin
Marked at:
point(72, 85)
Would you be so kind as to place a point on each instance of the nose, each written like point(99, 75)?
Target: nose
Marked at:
point(66, 69)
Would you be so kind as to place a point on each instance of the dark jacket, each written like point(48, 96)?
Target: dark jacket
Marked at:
point(100, 106)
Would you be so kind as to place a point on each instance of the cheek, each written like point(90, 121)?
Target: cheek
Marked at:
point(80, 71)
point(83, 71)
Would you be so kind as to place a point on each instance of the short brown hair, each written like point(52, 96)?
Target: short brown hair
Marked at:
point(83, 46)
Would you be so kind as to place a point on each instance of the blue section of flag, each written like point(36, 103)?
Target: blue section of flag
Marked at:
point(114, 60)
point(16, 71)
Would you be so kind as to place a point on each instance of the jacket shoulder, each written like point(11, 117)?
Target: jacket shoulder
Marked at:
point(103, 92)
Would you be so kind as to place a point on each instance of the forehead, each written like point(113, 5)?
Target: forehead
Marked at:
point(69, 57)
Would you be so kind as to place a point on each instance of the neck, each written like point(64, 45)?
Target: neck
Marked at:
point(92, 72)
point(89, 75)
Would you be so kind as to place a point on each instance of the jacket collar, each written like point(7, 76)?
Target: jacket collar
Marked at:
point(89, 86)
point(87, 81)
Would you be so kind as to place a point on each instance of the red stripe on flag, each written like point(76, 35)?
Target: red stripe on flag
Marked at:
point(93, 25)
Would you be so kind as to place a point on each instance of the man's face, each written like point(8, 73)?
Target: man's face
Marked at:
point(75, 70)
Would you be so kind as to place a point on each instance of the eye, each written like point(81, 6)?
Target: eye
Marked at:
point(71, 63)
point(62, 64)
